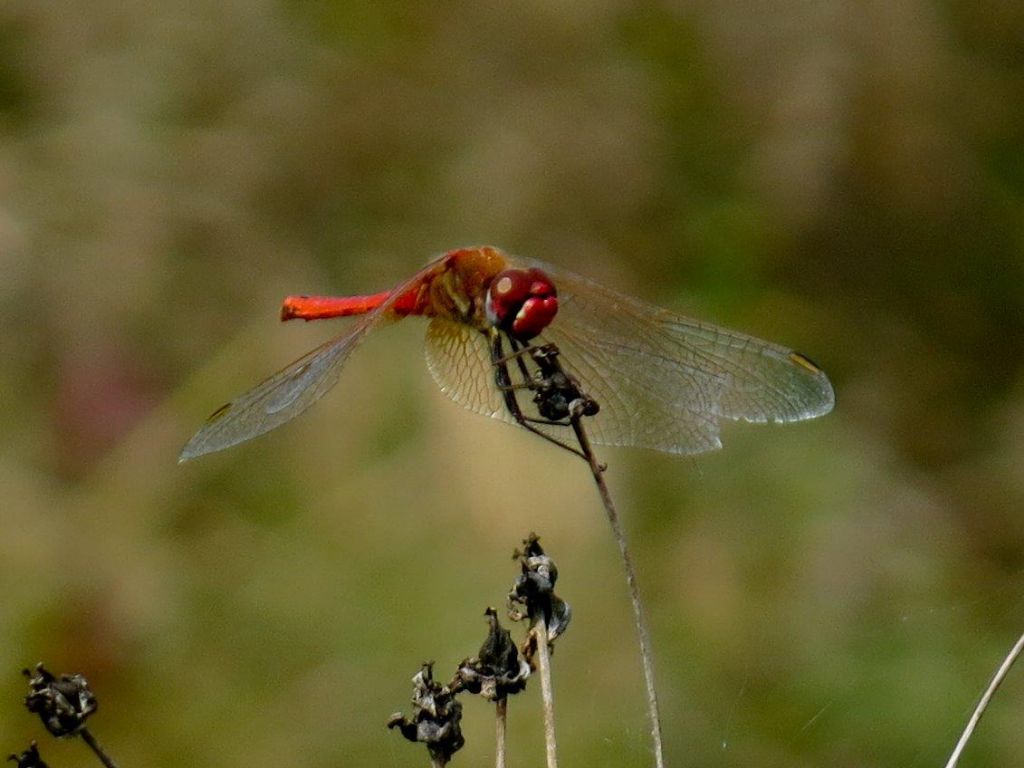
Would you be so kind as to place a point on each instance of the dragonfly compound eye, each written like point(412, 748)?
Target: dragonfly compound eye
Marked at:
point(522, 302)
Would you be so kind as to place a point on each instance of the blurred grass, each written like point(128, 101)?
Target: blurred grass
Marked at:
point(843, 178)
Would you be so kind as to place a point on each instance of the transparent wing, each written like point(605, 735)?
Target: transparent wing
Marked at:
point(459, 359)
point(664, 381)
point(292, 390)
point(276, 400)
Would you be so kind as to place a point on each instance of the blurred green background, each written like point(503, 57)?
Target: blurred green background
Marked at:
point(844, 178)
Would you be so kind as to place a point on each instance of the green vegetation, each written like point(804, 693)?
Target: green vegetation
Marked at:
point(846, 179)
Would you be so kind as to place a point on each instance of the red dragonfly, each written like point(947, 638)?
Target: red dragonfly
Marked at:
point(662, 381)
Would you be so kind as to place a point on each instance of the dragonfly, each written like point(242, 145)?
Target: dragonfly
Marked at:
point(517, 339)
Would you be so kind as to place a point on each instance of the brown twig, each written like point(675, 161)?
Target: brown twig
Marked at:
point(558, 397)
point(500, 723)
point(639, 618)
point(540, 636)
point(986, 697)
point(89, 739)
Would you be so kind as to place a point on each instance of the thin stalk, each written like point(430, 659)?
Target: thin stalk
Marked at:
point(87, 737)
point(500, 721)
point(986, 697)
point(639, 618)
point(540, 636)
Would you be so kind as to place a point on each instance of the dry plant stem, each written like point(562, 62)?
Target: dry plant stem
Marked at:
point(646, 657)
point(986, 697)
point(87, 737)
point(540, 636)
point(500, 720)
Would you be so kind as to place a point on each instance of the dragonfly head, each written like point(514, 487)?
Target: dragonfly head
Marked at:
point(521, 302)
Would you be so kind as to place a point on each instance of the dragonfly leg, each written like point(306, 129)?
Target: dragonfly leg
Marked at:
point(557, 395)
point(509, 391)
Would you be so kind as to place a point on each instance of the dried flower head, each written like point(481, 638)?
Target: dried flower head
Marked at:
point(29, 758)
point(436, 717)
point(498, 670)
point(533, 594)
point(63, 704)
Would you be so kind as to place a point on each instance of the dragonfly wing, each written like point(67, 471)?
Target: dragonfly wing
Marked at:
point(292, 390)
point(664, 381)
point(459, 359)
point(627, 384)
point(276, 400)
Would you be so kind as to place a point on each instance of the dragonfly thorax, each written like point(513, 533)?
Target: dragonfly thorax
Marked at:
point(521, 302)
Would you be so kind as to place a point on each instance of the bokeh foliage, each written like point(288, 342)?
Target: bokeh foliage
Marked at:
point(847, 178)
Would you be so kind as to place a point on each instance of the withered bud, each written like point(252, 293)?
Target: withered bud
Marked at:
point(533, 593)
point(63, 704)
point(29, 758)
point(436, 717)
point(498, 670)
